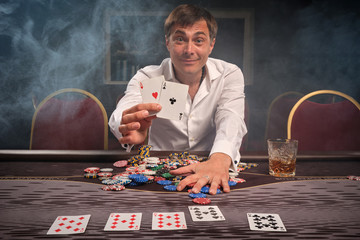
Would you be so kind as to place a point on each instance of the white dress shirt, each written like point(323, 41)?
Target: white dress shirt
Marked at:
point(213, 121)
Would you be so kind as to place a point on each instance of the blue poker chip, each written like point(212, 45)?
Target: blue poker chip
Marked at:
point(218, 191)
point(164, 182)
point(133, 176)
point(205, 189)
point(232, 183)
point(140, 179)
point(134, 184)
point(197, 195)
point(171, 188)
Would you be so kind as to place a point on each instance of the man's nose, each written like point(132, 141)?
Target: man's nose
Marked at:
point(189, 48)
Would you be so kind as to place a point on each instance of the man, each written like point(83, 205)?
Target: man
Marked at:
point(214, 114)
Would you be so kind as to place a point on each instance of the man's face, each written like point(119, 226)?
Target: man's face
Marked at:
point(190, 47)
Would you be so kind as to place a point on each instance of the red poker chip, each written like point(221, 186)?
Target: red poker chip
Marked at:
point(159, 179)
point(121, 163)
point(104, 174)
point(238, 180)
point(355, 178)
point(106, 188)
point(92, 170)
point(202, 201)
point(117, 187)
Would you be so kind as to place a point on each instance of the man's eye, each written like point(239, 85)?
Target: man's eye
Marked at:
point(179, 39)
point(199, 41)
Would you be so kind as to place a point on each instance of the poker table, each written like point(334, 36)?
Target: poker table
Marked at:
point(320, 202)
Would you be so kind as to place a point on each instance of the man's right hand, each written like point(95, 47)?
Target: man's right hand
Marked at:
point(136, 121)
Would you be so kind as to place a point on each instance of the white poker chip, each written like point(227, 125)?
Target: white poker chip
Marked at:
point(106, 170)
point(149, 173)
point(153, 160)
point(233, 174)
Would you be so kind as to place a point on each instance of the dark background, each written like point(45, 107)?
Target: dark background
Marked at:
point(299, 45)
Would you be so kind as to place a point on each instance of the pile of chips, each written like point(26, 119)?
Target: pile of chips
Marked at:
point(143, 169)
point(354, 178)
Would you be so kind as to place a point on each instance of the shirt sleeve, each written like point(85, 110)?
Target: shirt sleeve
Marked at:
point(229, 117)
point(131, 98)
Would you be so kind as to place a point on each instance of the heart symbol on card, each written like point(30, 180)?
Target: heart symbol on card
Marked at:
point(155, 94)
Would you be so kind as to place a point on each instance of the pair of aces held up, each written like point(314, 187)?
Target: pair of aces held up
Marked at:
point(170, 95)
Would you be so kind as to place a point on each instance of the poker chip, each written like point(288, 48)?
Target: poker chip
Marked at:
point(232, 183)
point(202, 201)
point(121, 163)
point(197, 195)
point(117, 187)
point(90, 175)
point(152, 160)
point(139, 178)
point(104, 174)
point(167, 175)
point(92, 170)
point(106, 170)
point(171, 188)
point(233, 174)
point(106, 188)
point(238, 180)
point(159, 179)
point(109, 181)
point(205, 189)
point(149, 173)
point(355, 178)
point(164, 182)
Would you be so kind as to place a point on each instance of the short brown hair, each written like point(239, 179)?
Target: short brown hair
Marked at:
point(187, 15)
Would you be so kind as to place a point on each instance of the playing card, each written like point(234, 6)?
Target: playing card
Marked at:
point(69, 224)
point(151, 89)
point(173, 100)
point(265, 222)
point(123, 222)
point(168, 221)
point(206, 213)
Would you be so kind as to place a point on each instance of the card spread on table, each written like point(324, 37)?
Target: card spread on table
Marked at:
point(170, 95)
point(265, 222)
point(206, 213)
point(69, 224)
point(168, 221)
point(123, 222)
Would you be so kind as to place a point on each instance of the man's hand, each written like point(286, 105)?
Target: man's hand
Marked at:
point(214, 171)
point(136, 121)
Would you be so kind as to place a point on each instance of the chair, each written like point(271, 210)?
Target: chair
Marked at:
point(325, 127)
point(70, 119)
point(278, 114)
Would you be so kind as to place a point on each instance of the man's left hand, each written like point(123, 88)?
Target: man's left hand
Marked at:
point(214, 171)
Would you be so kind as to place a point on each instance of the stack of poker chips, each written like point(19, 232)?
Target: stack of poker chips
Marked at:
point(144, 151)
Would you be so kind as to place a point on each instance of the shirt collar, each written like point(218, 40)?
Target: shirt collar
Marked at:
point(212, 72)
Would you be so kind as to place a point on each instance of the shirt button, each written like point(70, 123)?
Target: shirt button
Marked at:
point(192, 139)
